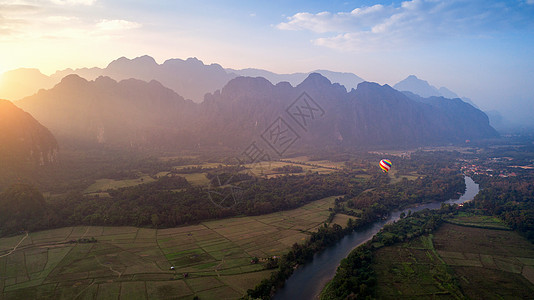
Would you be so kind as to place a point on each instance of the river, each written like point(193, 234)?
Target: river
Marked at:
point(308, 280)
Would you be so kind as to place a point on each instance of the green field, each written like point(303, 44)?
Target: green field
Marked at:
point(134, 263)
point(489, 222)
point(342, 219)
point(198, 179)
point(458, 262)
point(102, 185)
point(265, 169)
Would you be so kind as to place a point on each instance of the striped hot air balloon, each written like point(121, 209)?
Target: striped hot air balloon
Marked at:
point(385, 165)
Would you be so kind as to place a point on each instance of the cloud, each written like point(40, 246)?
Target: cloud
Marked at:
point(368, 28)
point(329, 22)
point(116, 25)
point(6, 8)
point(74, 2)
point(61, 19)
point(13, 17)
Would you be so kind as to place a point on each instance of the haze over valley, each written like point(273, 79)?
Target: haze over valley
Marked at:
point(273, 150)
point(192, 79)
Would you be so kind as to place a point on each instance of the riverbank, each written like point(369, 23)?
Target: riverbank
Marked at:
point(477, 261)
point(308, 280)
point(211, 260)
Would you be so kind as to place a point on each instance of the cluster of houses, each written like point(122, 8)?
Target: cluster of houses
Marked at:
point(484, 168)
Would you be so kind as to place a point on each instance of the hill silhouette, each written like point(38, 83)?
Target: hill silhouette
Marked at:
point(135, 113)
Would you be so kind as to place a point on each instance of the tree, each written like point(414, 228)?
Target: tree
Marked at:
point(155, 220)
point(22, 207)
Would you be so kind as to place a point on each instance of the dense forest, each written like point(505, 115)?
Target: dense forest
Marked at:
point(512, 200)
point(171, 200)
point(167, 202)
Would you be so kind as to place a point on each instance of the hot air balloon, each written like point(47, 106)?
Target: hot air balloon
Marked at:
point(385, 165)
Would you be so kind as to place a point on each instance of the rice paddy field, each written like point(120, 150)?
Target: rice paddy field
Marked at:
point(211, 260)
point(267, 169)
point(104, 184)
point(457, 262)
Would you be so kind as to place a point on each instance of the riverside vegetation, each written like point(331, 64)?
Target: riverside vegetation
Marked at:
point(163, 203)
point(442, 253)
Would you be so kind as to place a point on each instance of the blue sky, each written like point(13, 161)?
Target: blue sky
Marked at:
point(479, 49)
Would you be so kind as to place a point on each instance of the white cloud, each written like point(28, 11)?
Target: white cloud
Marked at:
point(18, 8)
point(342, 21)
point(411, 21)
point(530, 1)
point(74, 2)
point(61, 19)
point(13, 17)
point(116, 25)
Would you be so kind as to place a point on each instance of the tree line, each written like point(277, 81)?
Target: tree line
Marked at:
point(326, 236)
point(355, 277)
point(167, 202)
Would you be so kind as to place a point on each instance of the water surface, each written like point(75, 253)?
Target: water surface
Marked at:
point(308, 280)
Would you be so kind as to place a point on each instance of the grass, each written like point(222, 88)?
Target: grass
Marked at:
point(224, 292)
point(458, 262)
point(243, 282)
point(203, 283)
point(268, 168)
point(109, 290)
point(342, 219)
point(480, 221)
point(134, 263)
point(174, 289)
point(133, 290)
point(196, 179)
point(396, 178)
point(102, 185)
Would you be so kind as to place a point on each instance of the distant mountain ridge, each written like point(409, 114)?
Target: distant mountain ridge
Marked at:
point(424, 89)
point(130, 112)
point(134, 113)
point(23, 140)
point(348, 80)
point(190, 78)
point(370, 115)
point(19, 83)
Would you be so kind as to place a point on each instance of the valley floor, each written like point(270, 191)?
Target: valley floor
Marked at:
point(469, 259)
point(211, 260)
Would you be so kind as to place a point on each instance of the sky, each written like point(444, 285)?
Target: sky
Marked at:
point(483, 50)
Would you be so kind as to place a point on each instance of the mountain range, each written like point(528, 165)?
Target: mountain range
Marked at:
point(348, 80)
point(424, 89)
point(316, 112)
point(23, 140)
point(104, 111)
point(190, 78)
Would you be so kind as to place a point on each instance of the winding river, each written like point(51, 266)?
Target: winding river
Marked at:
point(308, 280)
